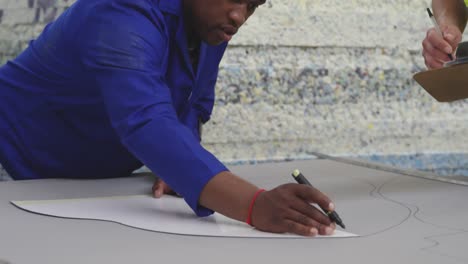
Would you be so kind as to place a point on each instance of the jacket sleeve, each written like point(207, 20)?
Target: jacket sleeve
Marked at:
point(126, 46)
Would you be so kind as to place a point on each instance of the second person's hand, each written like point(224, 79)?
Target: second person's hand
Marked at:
point(436, 47)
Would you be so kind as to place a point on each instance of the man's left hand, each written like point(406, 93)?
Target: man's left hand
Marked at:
point(160, 188)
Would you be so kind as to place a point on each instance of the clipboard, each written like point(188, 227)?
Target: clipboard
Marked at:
point(447, 84)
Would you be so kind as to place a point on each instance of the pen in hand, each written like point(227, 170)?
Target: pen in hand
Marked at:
point(437, 28)
point(333, 215)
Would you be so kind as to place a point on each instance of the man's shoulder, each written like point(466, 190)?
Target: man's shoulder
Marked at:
point(117, 14)
point(135, 28)
point(167, 6)
point(119, 6)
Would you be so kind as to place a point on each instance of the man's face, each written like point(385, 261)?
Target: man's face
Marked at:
point(216, 21)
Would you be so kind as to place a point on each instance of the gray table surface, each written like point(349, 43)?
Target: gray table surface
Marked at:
point(402, 219)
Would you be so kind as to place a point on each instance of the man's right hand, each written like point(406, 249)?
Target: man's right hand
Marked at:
point(288, 208)
point(436, 47)
point(285, 209)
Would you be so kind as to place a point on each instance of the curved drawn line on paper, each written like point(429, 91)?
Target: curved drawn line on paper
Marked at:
point(436, 242)
point(376, 193)
point(414, 213)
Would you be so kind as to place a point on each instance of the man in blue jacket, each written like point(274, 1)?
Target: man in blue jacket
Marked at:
point(115, 84)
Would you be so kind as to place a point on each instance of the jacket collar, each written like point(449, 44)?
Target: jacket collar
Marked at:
point(174, 7)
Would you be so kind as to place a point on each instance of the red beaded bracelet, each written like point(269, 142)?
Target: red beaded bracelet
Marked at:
point(249, 215)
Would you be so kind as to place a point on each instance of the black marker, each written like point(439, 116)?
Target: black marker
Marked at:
point(297, 175)
point(437, 28)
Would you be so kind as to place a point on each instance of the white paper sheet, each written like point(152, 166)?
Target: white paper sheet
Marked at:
point(167, 214)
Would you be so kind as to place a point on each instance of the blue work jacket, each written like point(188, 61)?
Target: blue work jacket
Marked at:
point(105, 88)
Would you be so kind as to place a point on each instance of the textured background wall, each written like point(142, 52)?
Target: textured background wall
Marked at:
point(309, 75)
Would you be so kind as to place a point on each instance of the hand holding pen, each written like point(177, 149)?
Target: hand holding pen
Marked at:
point(440, 43)
point(284, 209)
point(287, 209)
point(332, 214)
